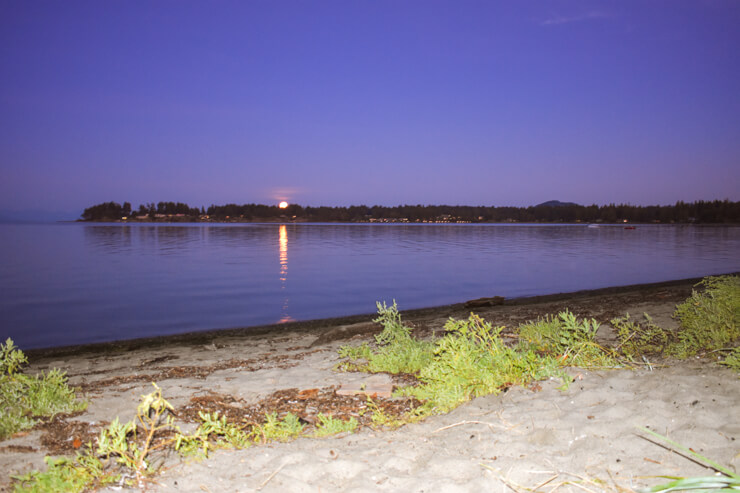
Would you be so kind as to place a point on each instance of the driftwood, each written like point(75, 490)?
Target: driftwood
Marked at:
point(481, 302)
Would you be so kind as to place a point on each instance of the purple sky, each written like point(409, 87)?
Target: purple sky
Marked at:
point(368, 102)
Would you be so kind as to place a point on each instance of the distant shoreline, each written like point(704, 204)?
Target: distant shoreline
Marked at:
point(554, 211)
point(389, 221)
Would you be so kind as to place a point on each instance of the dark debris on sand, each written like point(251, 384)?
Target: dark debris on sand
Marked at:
point(305, 404)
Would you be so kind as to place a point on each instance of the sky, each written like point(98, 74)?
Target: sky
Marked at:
point(375, 102)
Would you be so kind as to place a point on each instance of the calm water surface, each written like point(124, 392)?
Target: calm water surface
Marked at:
point(76, 283)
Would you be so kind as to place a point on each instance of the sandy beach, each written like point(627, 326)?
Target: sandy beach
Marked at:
point(539, 438)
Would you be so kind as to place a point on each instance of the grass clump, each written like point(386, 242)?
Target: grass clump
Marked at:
point(710, 319)
point(327, 425)
point(82, 473)
point(570, 340)
point(640, 339)
point(276, 429)
point(472, 360)
point(133, 444)
point(24, 399)
point(397, 350)
point(733, 360)
point(225, 434)
point(381, 419)
point(710, 322)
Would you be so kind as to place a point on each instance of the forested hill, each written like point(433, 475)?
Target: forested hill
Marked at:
point(549, 212)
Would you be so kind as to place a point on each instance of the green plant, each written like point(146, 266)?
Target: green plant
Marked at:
point(733, 360)
point(471, 360)
point(278, 429)
point(729, 482)
point(328, 425)
point(226, 434)
point(361, 352)
point(380, 418)
point(214, 432)
point(394, 331)
point(134, 450)
point(120, 441)
point(710, 319)
point(558, 333)
point(397, 351)
point(23, 398)
point(11, 358)
point(637, 339)
point(406, 357)
point(571, 340)
point(65, 474)
point(131, 445)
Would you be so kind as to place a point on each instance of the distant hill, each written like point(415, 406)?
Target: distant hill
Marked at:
point(556, 203)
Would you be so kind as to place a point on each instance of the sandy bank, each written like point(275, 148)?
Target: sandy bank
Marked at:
point(527, 437)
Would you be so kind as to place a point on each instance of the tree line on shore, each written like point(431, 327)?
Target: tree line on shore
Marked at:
point(707, 212)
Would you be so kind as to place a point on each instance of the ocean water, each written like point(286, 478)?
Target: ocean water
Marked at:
point(73, 283)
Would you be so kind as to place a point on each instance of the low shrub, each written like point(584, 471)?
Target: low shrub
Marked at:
point(275, 429)
point(710, 319)
point(732, 361)
point(24, 399)
point(709, 322)
point(471, 360)
point(569, 339)
point(81, 473)
point(328, 425)
point(396, 350)
point(638, 339)
point(214, 432)
point(381, 419)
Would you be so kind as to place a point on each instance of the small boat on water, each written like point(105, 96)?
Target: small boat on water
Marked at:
point(630, 227)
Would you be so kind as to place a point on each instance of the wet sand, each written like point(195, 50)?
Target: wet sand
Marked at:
point(521, 438)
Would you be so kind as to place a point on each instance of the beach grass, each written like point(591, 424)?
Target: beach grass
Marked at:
point(709, 323)
point(328, 425)
point(710, 318)
point(26, 399)
point(726, 481)
point(472, 360)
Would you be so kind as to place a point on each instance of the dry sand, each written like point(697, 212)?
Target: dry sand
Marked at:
point(540, 438)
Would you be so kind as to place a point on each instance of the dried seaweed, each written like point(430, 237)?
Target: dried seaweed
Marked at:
point(306, 404)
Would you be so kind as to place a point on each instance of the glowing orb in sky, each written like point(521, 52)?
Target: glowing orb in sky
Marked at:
point(283, 205)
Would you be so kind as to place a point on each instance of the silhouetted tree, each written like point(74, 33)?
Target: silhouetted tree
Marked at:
point(111, 211)
point(701, 212)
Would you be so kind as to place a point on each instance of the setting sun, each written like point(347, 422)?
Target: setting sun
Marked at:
point(283, 205)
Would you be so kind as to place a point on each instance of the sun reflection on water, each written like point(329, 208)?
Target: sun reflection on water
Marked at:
point(283, 255)
point(283, 242)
